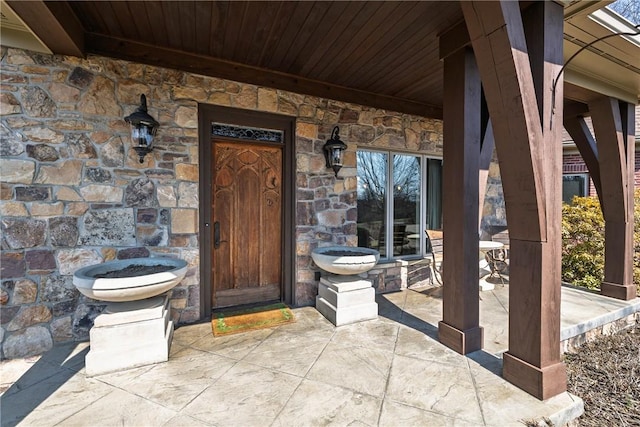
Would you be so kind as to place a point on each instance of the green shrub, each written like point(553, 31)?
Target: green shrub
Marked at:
point(583, 242)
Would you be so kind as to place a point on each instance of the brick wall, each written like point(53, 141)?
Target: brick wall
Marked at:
point(572, 163)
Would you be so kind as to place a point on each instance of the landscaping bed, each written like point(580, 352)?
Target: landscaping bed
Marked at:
point(605, 373)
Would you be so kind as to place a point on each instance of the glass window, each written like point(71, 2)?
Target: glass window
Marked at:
point(574, 185)
point(406, 204)
point(413, 185)
point(372, 199)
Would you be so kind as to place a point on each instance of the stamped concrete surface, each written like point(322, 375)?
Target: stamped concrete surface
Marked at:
point(391, 371)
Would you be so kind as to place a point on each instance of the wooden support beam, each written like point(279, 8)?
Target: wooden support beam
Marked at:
point(460, 326)
point(519, 57)
point(457, 37)
point(501, 52)
point(614, 126)
point(215, 67)
point(574, 109)
point(55, 24)
point(453, 39)
point(582, 137)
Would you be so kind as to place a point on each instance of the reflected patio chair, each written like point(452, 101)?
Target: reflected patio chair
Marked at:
point(400, 240)
point(434, 246)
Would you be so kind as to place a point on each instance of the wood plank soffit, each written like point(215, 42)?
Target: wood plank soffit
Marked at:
point(498, 40)
point(54, 23)
point(206, 65)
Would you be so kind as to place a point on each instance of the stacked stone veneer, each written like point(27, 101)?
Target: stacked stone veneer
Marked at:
point(74, 194)
point(494, 213)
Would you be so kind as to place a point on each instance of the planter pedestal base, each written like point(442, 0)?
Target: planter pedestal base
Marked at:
point(346, 299)
point(130, 334)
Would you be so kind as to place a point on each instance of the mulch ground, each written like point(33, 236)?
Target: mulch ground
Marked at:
point(605, 373)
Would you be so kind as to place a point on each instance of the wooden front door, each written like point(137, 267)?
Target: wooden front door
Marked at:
point(247, 223)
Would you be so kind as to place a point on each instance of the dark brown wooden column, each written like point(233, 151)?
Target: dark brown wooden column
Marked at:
point(517, 73)
point(614, 127)
point(460, 326)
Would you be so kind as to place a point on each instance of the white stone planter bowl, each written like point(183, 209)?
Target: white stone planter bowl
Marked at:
point(128, 288)
point(351, 260)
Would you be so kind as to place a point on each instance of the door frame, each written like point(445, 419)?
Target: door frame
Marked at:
point(212, 113)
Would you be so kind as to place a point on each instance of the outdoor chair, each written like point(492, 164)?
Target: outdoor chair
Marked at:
point(498, 259)
point(434, 246)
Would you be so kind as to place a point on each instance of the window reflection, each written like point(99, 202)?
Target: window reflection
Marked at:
point(413, 184)
point(406, 204)
point(372, 199)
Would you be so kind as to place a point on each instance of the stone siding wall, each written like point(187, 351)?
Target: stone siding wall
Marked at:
point(74, 194)
point(494, 214)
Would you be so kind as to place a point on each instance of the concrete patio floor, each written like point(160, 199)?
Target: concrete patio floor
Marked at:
point(386, 372)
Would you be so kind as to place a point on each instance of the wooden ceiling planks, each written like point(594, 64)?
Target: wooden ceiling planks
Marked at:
point(281, 22)
point(139, 17)
point(126, 24)
point(343, 57)
point(187, 14)
point(275, 59)
point(203, 23)
point(171, 18)
point(377, 45)
point(158, 31)
point(218, 26)
point(89, 16)
point(257, 25)
point(388, 48)
point(334, 34)
point(396, 60)
point(319, 22)
point(234, 29)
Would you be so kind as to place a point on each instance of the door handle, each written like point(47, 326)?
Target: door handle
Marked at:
point(216, 235)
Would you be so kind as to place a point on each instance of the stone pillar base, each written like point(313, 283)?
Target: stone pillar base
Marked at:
point(615, 290)
point(130, 334)
point(542, 383)
point(461, 341)
point(345, 299)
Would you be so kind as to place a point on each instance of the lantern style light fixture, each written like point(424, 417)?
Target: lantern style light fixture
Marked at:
point(143, 129)
point(334, 150)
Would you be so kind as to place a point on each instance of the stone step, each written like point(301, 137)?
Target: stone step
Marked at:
point(347, 315)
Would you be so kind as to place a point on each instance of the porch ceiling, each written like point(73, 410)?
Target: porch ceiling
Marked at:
point(348, 49)
point(380, 54)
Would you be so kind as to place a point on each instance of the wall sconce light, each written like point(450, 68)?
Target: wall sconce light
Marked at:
point(143, 129)
point(334, 150)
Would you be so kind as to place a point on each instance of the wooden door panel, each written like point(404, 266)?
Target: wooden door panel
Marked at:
point(247, 204)
point(222, 254)
point(247, 228)
point(271, 271)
